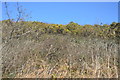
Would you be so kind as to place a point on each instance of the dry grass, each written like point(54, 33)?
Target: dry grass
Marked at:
point(59, 56)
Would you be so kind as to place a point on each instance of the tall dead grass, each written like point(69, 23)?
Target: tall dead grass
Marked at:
point(61, 56)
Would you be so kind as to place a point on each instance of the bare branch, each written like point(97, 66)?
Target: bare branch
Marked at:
point(6, 6)
point(19, 12)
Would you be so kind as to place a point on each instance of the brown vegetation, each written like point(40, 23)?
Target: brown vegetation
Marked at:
point(41, 50)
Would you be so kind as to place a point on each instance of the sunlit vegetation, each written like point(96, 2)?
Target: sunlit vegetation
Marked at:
point(34, 49)
point(102, 31)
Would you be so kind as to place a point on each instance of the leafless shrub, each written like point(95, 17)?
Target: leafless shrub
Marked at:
point(59, 56)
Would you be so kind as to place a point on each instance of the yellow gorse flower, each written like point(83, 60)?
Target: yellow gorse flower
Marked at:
point(67, 30)
point(56, 26)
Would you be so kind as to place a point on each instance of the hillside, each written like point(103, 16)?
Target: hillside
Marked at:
point(42, 50)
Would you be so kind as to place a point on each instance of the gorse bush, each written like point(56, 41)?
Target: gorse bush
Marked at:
point(103, 31)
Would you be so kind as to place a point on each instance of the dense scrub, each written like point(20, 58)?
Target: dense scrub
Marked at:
point(36, 49)
point(99, 31)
